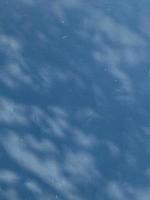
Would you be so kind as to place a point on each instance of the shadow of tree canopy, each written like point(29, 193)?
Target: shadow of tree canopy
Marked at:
point(74, 100)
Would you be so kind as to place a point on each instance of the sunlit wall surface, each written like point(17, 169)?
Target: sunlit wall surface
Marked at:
point(74, 100)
